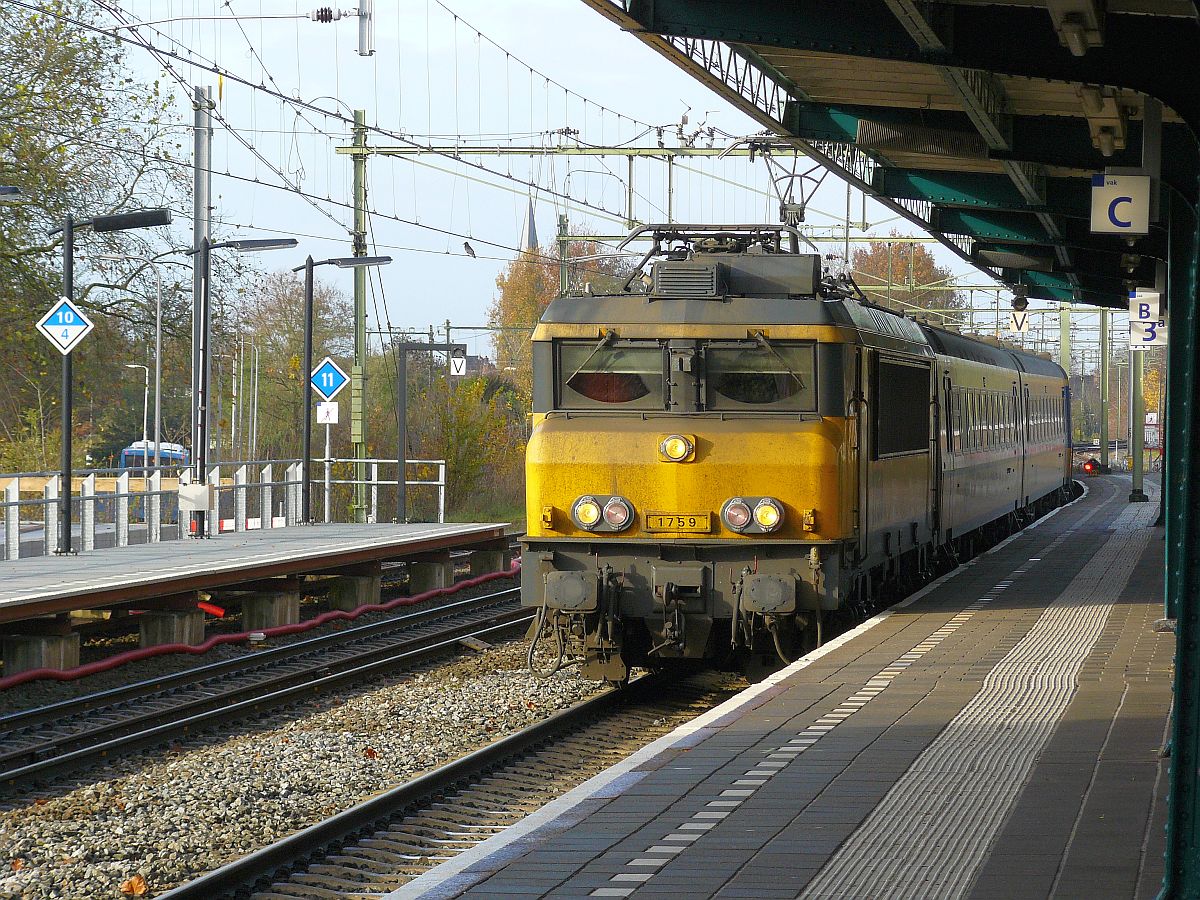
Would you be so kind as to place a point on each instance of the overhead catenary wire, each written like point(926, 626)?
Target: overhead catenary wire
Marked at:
point(528, 186)
point(291, 181)
point(161, 55)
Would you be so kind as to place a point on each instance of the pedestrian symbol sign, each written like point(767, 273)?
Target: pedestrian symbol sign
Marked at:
point(328, 379)
point(65, 325)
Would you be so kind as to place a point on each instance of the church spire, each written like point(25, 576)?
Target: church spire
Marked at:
point(529, 243)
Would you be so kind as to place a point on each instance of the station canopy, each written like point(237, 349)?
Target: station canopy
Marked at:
point(981, 123)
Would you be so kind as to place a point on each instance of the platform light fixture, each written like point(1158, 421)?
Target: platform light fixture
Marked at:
point(201, 354)
point(141, 218)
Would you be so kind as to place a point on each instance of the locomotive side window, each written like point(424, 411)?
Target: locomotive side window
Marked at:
point(901, 395)
point(770, 376)
point(603, 377)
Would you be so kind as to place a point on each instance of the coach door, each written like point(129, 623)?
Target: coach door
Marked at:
point(901, 442)
point(1018, 424)
point(943, 425)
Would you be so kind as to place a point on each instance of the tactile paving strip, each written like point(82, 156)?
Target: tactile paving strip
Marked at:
point(929, 835)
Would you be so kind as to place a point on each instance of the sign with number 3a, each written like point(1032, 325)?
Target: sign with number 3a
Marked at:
point(1147, 328)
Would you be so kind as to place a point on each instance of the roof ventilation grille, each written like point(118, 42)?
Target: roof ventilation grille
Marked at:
point(690, 279)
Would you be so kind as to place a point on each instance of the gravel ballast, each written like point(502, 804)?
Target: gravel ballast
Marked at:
point(171, 815)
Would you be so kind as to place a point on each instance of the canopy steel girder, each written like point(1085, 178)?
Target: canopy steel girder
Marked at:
point(1037, 141)
point(1136, 267)
point(974, 36)
point(1061, 196)
point(881, 40)
point(985, 102)
point(1149, 53)
point(1064, 198)
point(1093, 288)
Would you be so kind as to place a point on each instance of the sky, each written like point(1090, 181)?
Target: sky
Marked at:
point(458, 71)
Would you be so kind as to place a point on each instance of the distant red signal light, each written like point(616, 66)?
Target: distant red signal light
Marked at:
point(1091, 467)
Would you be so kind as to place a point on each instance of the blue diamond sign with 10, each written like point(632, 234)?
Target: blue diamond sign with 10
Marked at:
point(65, 325)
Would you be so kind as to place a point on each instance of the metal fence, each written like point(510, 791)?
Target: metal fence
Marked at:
point(118, 507)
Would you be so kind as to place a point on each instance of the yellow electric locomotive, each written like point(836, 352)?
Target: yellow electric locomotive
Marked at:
point(743, 450)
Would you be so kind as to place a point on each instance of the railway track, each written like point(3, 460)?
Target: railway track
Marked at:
point(40, 744)
point(390, 839)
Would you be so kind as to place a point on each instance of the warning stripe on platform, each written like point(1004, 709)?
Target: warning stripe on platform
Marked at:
point(930, 834)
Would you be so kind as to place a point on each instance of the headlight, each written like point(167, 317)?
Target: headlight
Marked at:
point(676, 447)
point(768, 514)
point(736, 514)
point(586, 513)
point(618, 513)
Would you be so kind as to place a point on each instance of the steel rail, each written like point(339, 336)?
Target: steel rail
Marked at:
point(161, 727)
point(244, 873)
point(187, 678)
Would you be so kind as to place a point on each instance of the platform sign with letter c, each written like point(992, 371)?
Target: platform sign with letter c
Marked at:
point(1120, 204)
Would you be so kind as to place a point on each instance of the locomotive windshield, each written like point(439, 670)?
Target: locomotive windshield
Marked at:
point(628, 376)
point(760, 375)
point(766, 374)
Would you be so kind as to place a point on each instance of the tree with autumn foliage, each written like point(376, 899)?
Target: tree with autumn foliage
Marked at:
point(79, 134)
point(526, 287)
point(902, 275)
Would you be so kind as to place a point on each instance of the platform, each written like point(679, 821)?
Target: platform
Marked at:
point(997, 736)
point(38, 586)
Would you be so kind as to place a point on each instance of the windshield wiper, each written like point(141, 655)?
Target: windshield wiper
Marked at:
point(608, 338)
point(763, 341)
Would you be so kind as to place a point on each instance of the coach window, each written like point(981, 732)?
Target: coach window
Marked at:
point(972, 421)
point(765, 375)
point(955, 441)
point(901, 393)
point(607, 376)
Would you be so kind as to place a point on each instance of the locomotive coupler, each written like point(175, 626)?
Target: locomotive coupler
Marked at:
point(673, 601)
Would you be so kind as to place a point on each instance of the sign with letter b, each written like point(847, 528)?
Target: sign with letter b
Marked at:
point(1147, 328)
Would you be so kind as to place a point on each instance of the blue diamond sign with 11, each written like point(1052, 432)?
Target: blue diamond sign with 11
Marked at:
point(328, 379)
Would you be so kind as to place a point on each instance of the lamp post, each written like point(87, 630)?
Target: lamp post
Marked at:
point(145, 410)
point(157, 347)
point(343, 262)
point(142, 218)
point(202, 355)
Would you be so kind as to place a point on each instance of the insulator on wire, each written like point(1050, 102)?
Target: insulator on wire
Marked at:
point(325, 14)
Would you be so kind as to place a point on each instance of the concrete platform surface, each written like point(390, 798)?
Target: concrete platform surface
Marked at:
point(998, 735)
point(43, 585)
